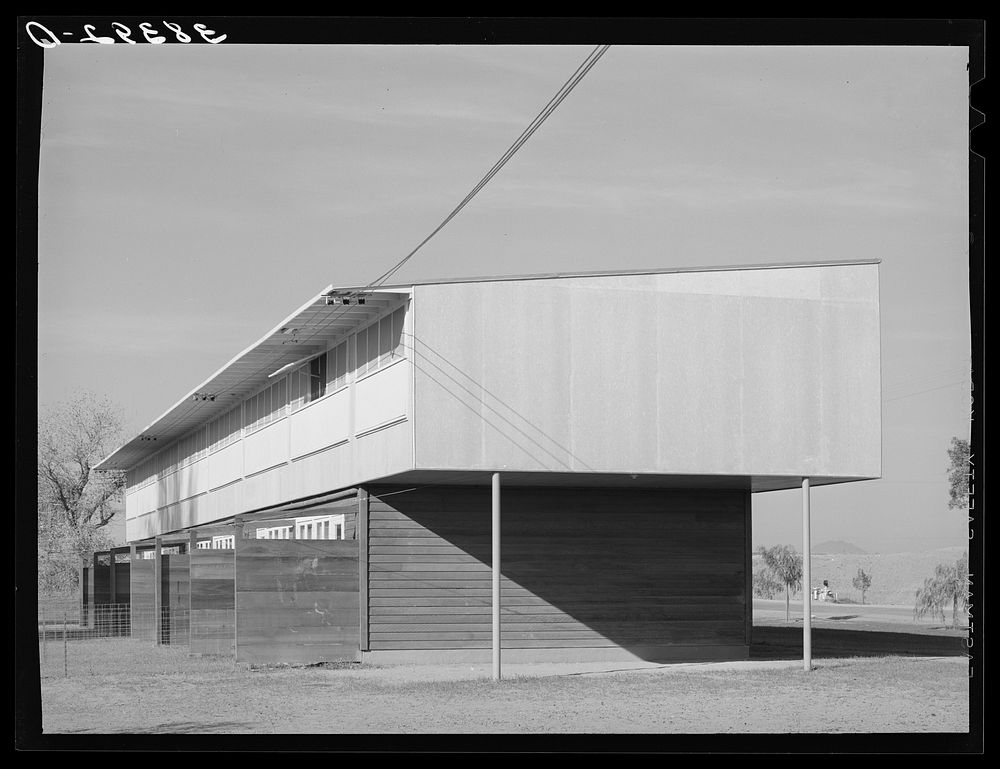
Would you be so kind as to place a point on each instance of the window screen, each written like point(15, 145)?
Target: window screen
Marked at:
point(317, 377)
point(361, 352)
point(372, 356)
point(385, 339)
point(397, 332)
point(337, 364)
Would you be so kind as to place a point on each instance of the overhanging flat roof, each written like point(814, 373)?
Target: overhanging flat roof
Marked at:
point(615, 273)
point(335, 501)
point(752, 483)
point(307, 332)
point(302, 335)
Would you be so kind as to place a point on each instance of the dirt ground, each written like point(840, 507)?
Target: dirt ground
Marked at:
point(126, 687)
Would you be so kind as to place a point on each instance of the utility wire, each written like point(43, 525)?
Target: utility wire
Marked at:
point(540, 118)
point(585, 66)
point(921, 392)
point(581, 71)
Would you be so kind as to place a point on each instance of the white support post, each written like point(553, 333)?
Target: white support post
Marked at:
point(496, 576)
point(806, 580)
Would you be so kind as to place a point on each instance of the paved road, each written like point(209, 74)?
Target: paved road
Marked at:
point(847, 614)
point(851, 630)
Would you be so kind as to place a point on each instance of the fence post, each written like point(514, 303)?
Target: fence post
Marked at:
point(132, 561)
point(65, 649)
point(112, 577)
point(158, 590)
point(192, 545)
point(92, 584)
point(83, 590)
point(237, 537)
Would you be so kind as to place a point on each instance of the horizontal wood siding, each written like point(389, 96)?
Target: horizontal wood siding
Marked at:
point(176, 598)
point(581, 567)
point(141, 583)
point(213, 602)
point(296, 600)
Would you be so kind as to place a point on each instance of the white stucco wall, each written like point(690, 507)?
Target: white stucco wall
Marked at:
point(749, 372)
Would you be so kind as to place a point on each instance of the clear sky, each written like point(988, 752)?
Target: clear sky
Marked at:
point(191, 197)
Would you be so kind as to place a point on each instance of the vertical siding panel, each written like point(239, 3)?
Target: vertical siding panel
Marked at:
point(213, 602)
point(175, 598)
point(297, 600)
point(748, 566)
point(158, 590)
point(362, 537)
point(142, 597)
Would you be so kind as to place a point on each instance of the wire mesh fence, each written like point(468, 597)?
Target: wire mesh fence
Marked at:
point(73, 637)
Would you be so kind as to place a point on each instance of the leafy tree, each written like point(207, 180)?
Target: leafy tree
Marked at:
point(75, 502)
point(785, 566)
point(961, 596)
point(60, 550)
point(950, 584)
point(862, 581)
point(960, 455)
point(765, 584)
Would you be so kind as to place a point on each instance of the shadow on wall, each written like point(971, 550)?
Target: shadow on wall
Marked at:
point(648, 570)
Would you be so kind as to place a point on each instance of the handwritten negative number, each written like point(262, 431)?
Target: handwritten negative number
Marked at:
point(151, 35)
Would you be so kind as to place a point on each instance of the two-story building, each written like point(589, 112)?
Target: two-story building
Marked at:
point(622, 420)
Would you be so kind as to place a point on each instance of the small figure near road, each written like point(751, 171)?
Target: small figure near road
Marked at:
point(824, 593)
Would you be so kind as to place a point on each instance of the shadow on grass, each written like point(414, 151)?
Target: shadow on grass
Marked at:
point(175, 727)
point(779, 643)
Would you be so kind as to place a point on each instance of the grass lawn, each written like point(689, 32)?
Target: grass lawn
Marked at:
point(122, 686)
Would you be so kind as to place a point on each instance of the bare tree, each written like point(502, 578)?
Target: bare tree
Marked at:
point(75, 502)
point(765, 584)
point(785, 564)
point(862, 581)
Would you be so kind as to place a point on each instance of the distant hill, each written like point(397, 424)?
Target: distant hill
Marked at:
point(837, 546)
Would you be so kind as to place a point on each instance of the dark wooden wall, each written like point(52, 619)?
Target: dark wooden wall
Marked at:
point(100, 584)
point(141, 584)
point(86, 591)
point(213, 600)
point(175, 598)
point(122, 594)
point(296, 600)
point(581, 568)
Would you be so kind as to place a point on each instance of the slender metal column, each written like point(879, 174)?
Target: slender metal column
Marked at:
point(496, 576)
point(806, 580)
